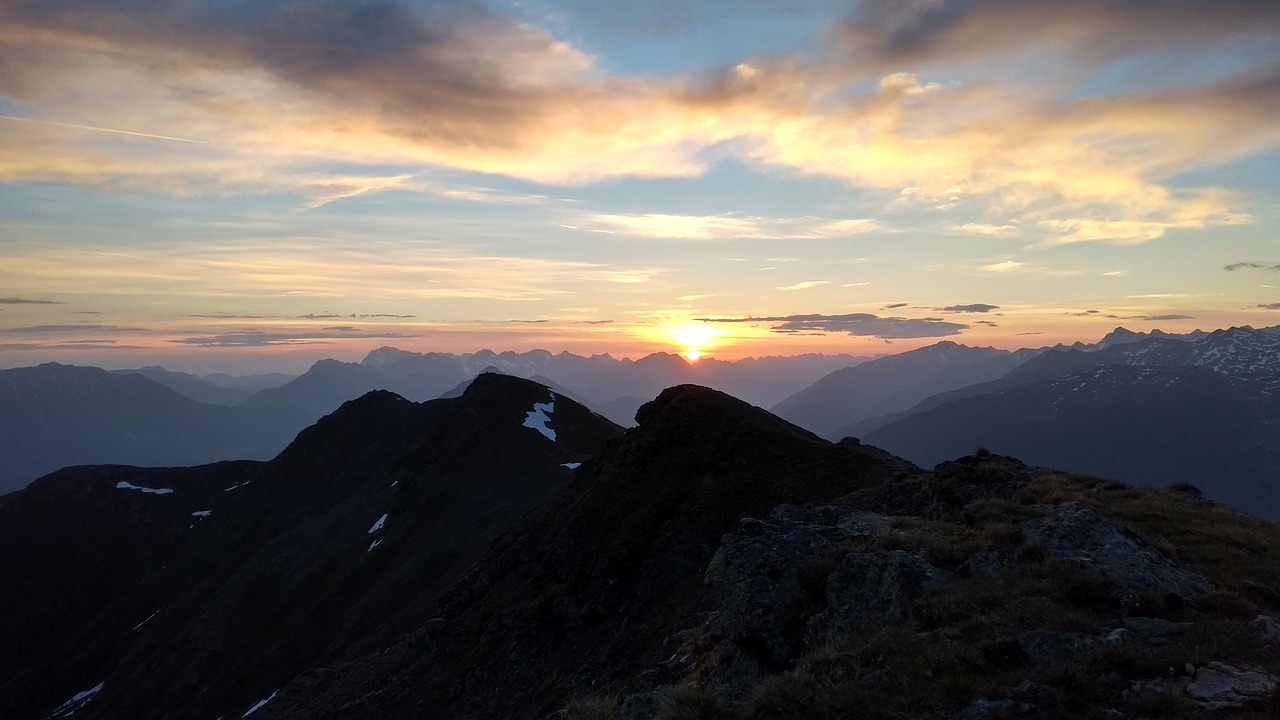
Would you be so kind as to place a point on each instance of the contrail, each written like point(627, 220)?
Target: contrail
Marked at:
point(102, 129)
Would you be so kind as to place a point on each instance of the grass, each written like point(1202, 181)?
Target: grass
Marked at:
point(958, 642)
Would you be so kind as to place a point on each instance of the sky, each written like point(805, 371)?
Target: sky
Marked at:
point(251, 185)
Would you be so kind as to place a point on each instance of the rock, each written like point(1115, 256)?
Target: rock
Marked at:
point(1219, 686)
point(1046, 648)
point(1033, 696)
point(1148, 628)
point(1260, 594)
point(984, 563)
point(1120, 635)
point(981, 709)
point(643, 705)
point(1076, 533)
point(757, 572)
point(867, 586)
point(1267, 629)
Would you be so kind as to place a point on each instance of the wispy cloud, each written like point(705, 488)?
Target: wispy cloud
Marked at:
point(1005, 266)
point(974, 308)
point(52, 329)
point(987, 230)
point(25, 301)
point(855, 324)
point(1251, 266)
point(805, 285)
point(262, 338)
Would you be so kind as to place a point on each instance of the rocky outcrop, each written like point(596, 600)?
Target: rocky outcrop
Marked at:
point(872, 586)
point(1076, 533)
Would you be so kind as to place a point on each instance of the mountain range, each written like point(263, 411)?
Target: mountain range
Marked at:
point(58, 415)
point(509, 553)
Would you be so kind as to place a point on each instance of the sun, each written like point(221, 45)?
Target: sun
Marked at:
point(695, 338)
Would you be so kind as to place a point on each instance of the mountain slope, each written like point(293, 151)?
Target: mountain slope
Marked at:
point(330, 551)
point(538, 616)
point(1148, 426)
point(190, 386)
point(715, 561)
point(59, 415)
point(892, 383)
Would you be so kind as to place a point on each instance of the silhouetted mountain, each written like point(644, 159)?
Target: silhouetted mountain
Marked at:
point(58, 415)
point(450, 560)
point(601, 382)
point(191, 386)
point(893, 383)
point(1148, 426)
point(1242, 353)
point(329, 383)
point(248, 383)
point(261, 570)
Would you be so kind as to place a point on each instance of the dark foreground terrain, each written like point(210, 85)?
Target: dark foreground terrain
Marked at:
point(509, 554)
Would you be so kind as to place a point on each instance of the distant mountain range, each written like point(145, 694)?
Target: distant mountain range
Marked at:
point(507, 553)
point(1153, 411)
point(614, 388)
point(58, 415)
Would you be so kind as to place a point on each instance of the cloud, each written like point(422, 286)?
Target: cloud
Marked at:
point(725, 227)
point(975, 308)
point(985, 322)
point(47, 329)
point(856, 324)
point(25, 301)
point(1269, 306)
point(1004, 266)
point(806, 285)
point(1116, 273)
point(260, 338)
point(68, 345)
point(987, 230)
point(388, 271)
point(1250, 265)
point(1157, 318)
point(893, 306)
point(283, 92)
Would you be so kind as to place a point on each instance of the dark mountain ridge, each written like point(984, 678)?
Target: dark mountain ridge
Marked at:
point(447, 560)
point(329, 551)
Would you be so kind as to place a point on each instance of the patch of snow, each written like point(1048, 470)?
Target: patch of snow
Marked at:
point(122, 485)
point(202, 513)
point(539, 416)
point(374, 544)
point(571, 466)
point(233, 487)
point(76, 702)
point(258, 706)
point(378, 525)
point(144, 622)
point(395, 483)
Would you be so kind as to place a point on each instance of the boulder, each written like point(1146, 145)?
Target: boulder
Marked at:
point(1076, 533)
point(1045, 648)
point(873, 586)
point(757, 572)
point(1268, 630)
point(1219, 686)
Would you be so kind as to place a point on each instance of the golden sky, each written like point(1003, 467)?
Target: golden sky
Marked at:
point(267, 183)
